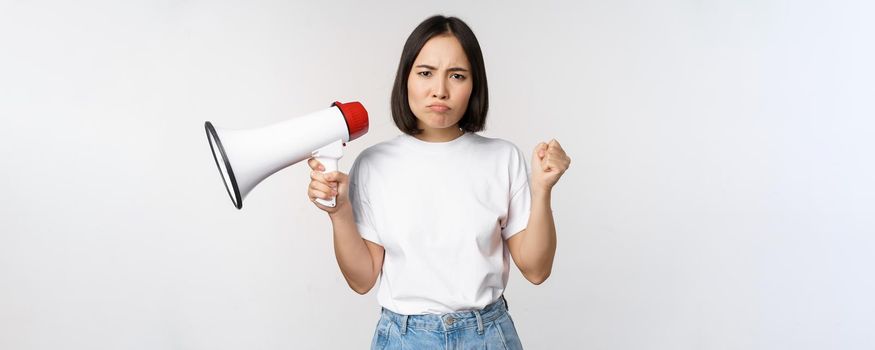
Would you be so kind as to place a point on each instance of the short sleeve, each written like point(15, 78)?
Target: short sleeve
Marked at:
point(361, 207)
point(520, 203)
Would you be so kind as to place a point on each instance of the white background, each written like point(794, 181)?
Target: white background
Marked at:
point(721, 194)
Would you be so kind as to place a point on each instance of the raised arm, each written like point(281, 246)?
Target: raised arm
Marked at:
point(534, 248)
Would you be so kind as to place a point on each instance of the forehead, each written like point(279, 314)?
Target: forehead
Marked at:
point(442, 50)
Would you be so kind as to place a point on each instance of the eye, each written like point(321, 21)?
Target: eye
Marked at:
point(458, 76)
point(425, 73)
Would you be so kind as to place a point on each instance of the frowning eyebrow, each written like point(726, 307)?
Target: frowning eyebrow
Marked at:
point(453, 69)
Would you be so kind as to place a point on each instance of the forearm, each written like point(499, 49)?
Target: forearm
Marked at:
point(538, 245)
point(352, 254)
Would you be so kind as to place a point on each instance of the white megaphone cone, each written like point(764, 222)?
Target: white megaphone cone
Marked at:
point(246, 157)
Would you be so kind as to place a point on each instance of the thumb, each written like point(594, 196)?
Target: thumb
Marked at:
point(540, 150)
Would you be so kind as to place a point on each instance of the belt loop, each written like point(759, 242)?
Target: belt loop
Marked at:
point(404, 324)
point(479, 322)
point(505, 303)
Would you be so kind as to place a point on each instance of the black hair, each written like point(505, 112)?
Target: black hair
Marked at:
point(474, 119)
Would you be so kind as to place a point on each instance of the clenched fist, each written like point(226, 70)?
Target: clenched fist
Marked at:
point(549, 162)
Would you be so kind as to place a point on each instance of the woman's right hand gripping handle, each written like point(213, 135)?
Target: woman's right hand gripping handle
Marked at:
point(327, 186)
point(360, 260)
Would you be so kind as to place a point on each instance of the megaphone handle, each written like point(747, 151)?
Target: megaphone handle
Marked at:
point(330, 165)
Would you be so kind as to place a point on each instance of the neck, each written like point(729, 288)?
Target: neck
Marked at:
point(440, 135)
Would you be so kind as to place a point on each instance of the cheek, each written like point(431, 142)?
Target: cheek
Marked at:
point(414, 89)
point(464, 91)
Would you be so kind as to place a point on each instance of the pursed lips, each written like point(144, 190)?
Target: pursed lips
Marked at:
point(439, 108)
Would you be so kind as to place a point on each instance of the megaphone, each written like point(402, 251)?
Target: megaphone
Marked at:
point(248, 156)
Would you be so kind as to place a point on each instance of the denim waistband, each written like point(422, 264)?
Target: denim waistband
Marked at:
point(450, 321)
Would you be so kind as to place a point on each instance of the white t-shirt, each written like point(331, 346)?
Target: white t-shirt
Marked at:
point(441, 211)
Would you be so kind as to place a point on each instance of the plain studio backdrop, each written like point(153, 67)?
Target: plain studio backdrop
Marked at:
point(720, 195)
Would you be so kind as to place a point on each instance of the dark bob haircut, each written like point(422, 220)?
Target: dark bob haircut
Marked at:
point(474, 119)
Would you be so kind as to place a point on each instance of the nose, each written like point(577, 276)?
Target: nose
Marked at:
point(440, 90)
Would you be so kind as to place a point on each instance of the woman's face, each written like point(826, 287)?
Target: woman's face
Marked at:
point(440, 83)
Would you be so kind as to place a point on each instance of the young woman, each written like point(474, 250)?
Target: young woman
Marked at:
point(434, 213)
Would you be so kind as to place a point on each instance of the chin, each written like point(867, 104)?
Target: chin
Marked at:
point(437, 121)
point(449, 126)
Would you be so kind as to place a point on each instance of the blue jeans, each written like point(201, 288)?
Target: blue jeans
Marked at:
point(489, 328)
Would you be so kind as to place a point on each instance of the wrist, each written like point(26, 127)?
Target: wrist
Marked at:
point(541, 193)
point(541, 199)
point(343, 213)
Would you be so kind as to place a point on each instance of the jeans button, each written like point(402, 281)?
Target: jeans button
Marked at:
point(450, 320)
